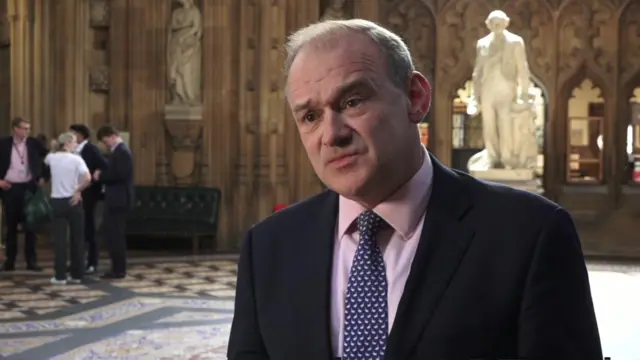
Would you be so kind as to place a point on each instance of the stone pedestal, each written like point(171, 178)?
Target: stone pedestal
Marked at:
point(523, 179)
point(184, 125)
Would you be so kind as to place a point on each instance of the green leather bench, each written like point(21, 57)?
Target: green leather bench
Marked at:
point(190, 212)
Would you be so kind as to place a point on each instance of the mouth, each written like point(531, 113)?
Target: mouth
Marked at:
point(343, 160)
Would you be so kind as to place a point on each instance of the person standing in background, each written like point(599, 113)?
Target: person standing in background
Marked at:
point(92, 194)
point(119, 197)
point(21, 171)
point(69, 178)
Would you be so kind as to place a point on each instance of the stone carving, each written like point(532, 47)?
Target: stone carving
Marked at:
point(99, 13)
point(184, 54)
point(555, 4)
point(462, 25)
point(533, 21)
point(249, 76)
point(630, 35)
point(437, 5)
point(414, 21)
point(583, 37)
point(502, 93)
point(335, 10)
point(184, 126)
point(602, 25)
point(99, 78)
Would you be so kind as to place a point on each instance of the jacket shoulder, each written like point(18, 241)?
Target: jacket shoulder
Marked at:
point(505, 202)
point(300, 212)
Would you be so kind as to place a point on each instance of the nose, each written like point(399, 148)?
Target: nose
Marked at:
point(336, 132)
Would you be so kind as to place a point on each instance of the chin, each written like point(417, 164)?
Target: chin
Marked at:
point(350, 185)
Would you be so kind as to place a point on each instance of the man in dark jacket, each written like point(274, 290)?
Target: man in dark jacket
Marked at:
point(93, 194)
point(21, 170)
point(119, 197)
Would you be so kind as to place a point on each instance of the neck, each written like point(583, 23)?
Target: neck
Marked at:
point(18, 138)
point(394, 177)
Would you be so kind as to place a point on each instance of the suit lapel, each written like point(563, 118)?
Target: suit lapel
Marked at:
point(443, 242)
point(315, 261)
point(7, 148)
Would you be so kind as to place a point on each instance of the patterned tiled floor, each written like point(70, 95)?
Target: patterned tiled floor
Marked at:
point(139, 317)
point(182, 309)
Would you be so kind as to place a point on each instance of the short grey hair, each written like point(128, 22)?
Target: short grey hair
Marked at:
point(397, 54)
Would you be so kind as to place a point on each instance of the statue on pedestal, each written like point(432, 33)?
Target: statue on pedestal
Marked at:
point(183, 113)
point(184, 54)
point(502, 94)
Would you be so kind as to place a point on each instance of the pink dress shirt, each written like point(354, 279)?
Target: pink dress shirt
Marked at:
point(18, 171)
point(404, 211)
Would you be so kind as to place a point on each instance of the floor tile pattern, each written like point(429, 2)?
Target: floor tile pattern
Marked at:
point(139, 317)
point(22, 297)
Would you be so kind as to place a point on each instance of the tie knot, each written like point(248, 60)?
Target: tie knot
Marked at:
point(369, 223)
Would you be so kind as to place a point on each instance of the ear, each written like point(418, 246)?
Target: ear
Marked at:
point(419, 97)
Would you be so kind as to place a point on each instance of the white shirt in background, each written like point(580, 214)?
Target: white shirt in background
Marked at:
point(67, 170)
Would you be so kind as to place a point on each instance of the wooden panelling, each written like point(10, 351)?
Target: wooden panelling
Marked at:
point(250, 147)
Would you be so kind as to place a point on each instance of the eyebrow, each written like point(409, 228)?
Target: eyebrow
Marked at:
point(342, 89)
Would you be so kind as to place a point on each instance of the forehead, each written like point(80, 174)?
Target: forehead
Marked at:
point(323, 66)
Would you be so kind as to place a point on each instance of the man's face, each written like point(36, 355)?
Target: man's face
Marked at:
point(22, 130)
point(78, 136)
point(109, 141)
point(353, 122)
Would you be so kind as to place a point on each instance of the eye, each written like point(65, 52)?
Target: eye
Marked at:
point(309, 117)
point(352, 103)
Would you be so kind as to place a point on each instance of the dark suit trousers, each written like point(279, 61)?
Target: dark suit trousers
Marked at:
point(93, 252)
point(113, 223)
point(13, 204)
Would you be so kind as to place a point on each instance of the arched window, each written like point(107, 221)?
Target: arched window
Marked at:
point(633, 139)
point(586, 112)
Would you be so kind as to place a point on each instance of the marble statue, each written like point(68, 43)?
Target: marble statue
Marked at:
point(184, 54)
point(502, 94)
point(335, 11)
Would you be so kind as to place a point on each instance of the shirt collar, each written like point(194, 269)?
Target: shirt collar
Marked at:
point(81, 146)
point(115, 146)
point(19, 141)
point(402, 210)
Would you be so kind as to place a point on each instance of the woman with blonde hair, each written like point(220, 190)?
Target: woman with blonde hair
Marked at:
point(69, 176)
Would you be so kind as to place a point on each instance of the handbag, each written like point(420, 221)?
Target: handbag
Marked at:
point(37, 209)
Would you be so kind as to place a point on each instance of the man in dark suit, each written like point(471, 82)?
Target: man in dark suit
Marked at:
point(92, 194)
point(403, 258)
point(22, 170)
point(119, 197)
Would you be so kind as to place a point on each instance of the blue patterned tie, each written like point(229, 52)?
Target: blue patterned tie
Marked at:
point(366, 312)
